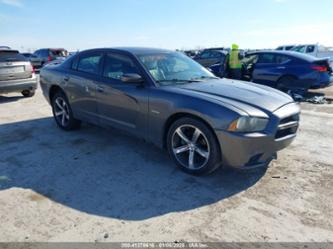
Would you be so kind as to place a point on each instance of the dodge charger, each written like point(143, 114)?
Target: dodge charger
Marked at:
point(170, 100)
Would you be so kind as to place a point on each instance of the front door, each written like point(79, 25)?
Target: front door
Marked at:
point(122, 105)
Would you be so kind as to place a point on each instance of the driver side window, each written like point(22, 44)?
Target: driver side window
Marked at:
point(116, 65)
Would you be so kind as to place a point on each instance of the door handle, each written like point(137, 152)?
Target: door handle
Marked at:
point(66, 78)
point(100, 89)
point(281, 67)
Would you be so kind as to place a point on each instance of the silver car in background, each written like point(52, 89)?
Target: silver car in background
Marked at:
point(16, 73)
point(35, 61)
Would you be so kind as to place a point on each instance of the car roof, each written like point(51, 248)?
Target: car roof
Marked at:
point(50, 49)
point(8, 50)
point(132, 50)
point(216, 50)
point(288, 45)
point(297, 55)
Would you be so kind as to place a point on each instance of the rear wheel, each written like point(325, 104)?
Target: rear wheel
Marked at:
point(62, 112)
point(28, 93)
point(193, 146)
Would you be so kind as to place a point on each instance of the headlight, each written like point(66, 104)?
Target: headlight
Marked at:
point(248, 124)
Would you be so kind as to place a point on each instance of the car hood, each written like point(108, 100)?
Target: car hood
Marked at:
point(244, 95)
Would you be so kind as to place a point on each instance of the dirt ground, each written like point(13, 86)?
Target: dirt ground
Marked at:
point(101, 185)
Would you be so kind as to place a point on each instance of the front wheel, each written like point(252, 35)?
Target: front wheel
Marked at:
point(193, 146)
point(62, 112)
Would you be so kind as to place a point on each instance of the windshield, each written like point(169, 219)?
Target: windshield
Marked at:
point(300, 49)
point(7, 56)
point(174, 68)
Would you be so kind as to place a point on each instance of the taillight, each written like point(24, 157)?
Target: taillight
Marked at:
point(33, 69)
point(320, 68)
point(49, 58)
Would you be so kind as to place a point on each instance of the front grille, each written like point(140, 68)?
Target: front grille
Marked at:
point(287, 127)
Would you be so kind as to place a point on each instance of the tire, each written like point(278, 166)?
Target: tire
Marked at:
point(62, 112)
point(191, 138)
point(28, 93)
point(283, 82)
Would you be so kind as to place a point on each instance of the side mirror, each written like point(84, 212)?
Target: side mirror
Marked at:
point(131, 78)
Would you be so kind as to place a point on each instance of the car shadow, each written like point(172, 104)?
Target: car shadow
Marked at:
point(8, 99)
point(106, 173)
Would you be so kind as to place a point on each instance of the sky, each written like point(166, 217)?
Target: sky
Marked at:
point(174, 24)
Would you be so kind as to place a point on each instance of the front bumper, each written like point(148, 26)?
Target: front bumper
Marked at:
point(249, 150)
point(18, 85)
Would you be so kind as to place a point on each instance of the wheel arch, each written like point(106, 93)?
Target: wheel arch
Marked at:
point(179, 115)
point(53, 90)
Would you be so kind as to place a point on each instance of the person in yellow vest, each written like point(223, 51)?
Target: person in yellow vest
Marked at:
point(235, 65)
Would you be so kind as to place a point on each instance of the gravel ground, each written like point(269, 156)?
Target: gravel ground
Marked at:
point(101, 185)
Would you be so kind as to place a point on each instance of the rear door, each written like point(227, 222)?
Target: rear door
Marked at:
point(14, 66)
point(80, 82)
point(268, 69)
point(122, 105)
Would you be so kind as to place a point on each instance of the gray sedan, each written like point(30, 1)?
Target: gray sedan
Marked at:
point(170, 100)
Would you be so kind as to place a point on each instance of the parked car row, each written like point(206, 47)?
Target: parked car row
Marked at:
point(17, 70)
point(284, 70)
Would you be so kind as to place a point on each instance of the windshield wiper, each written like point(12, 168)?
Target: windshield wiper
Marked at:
point(206, 77)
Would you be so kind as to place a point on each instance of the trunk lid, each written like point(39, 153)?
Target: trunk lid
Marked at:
point(324, 63)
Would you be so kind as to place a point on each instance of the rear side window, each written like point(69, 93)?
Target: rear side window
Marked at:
point(310, 49)
point(89, 63)
point(266, 58)
point(117, 65)
point(281, 59)
point(11, 56)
